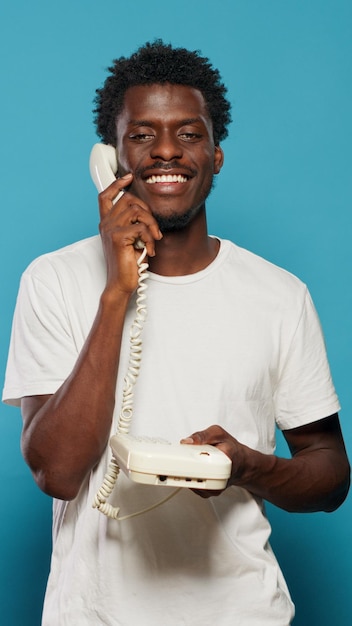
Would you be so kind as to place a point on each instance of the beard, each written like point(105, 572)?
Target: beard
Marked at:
point(174, 222)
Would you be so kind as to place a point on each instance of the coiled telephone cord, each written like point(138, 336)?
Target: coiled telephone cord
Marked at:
point(126, 412)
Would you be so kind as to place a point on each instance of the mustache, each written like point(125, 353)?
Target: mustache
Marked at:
point(161, 165)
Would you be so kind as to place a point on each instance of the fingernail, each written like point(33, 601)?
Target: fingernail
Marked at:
point(187, 440)
point(126, 176)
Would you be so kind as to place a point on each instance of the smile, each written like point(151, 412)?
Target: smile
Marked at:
point(166, 178)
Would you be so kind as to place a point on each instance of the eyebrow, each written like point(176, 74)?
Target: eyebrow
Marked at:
point(184, 122)
point(140, 122)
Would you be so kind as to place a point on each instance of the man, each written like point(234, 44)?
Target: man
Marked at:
point(231, 347)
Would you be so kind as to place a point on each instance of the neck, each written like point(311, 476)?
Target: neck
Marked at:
point(186, 251)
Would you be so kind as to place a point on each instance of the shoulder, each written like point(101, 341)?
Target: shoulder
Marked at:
point(84, 256)
point(258, 274)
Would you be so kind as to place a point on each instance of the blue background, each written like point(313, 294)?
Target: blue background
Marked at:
point(284, 192)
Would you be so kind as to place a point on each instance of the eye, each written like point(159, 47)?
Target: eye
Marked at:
point(141, 137)
point(190, 136)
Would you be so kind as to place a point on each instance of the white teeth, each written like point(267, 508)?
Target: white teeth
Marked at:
point(169, 178)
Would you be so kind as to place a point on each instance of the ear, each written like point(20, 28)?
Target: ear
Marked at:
point(218, 159)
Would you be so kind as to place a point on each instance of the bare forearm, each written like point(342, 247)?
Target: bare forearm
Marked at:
point(67, 435)
point(318, 482)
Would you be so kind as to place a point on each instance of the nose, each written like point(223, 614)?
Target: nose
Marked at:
point(166, 147)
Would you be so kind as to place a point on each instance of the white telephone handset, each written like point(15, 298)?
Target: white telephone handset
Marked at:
point(103, 170)
point(103, 166)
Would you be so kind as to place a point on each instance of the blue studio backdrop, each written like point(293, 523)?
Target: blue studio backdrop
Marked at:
point(285, 193)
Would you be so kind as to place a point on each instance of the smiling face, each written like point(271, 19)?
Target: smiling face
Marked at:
point(165, 138)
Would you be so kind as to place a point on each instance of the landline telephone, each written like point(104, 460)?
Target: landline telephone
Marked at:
point(148, 460)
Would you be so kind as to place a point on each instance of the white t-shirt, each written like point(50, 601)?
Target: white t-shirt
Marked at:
point(237, 344)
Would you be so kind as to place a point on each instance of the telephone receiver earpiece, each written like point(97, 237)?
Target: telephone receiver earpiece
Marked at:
point(103, 170)
point(103, 166)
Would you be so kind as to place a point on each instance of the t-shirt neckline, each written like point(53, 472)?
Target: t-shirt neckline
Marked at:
point(190, 278)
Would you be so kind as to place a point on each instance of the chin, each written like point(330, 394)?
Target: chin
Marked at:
point(175, 222)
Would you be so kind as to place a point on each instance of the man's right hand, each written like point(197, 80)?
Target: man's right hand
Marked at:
point(121, 225)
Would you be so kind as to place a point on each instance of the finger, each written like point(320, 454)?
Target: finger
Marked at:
point(143, 236)
point(141, 217)
point(139, 236)
point(212, 435)
point(111, 194)
point(134, 221)
point(207, 493)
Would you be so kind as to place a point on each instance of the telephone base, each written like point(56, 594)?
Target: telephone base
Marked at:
point(157, 462)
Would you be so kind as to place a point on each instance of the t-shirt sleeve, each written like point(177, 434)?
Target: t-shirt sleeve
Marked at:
point(305, 392)
point(42, 351)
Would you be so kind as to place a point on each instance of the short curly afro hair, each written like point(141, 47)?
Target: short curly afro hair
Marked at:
point(159, 63)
